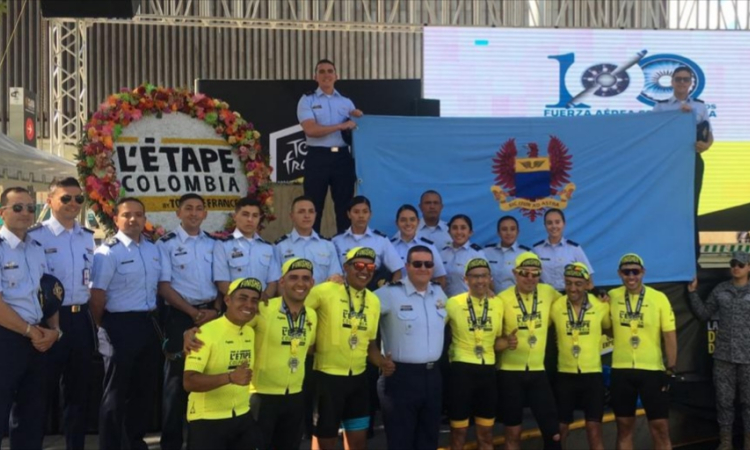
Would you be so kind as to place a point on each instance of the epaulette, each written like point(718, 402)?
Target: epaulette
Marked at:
point(35, 227)
point(324, 238)
point(663, 101)
point(523, 247)
point(147, 238)
point(426, 240)
point(209, 235)
point(490, 245)
point(168, 236)
point(536, 244)
point(395, 283)
point(263, 241)
point(574, 244)
point(111, 242)
point(394, 239)
point(434, 283)
point(87, 230)
point(476, 247)
point(309, 93)
point(281, 239)
point(698, 100)
point(34, 241)
point(228, 238)
point(380, 233)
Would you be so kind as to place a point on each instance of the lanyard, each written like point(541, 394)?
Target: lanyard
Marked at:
point(300, 330)
point(577, 324)
point(473, 315)
point(351, 304)
point(634, 315)
point(523, 307)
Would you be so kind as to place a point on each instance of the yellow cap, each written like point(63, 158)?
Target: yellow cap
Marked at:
point(631, 258)
point(475, 263)
point(245, 283)
point(360, 252)
point(295, 264)
point(577, 270)
point(528, 259)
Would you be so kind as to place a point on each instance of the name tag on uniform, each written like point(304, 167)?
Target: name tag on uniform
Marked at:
point(50, 250)
point(317, 107)
point(237, 254)
point(86, 277)
point(127, 262)
point(546, 259)
point(407, 308)
point(10, 265)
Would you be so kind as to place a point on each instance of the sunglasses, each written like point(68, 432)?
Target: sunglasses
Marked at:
point(734, 263)
point(18, 207)
point(362, 266)
point(628, 272)
point(529, 273)
point(683, 79)
point(65, 199)
point(420, 264)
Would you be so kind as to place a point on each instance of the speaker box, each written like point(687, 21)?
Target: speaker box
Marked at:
point(426, 107)
point(80, 9)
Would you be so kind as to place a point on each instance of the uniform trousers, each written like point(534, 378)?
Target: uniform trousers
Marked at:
point(324, 168)
point(728, 379)
point(411, 402)
point(22, 392)
point(69, 367)
point(130, 345)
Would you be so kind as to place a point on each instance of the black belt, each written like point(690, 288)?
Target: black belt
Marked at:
point(342, 148)
point(426, 366)
point(74, 309)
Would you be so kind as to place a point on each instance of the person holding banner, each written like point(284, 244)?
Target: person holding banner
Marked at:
point(218, 374)
point(186, 284)
point(642, 319)
point(458, 253)
point(502, 256)
point(556, 251)
point(731, 300)
point(430, 226)
point(475, 319)
point(579, 318)
point(325, 116)
point(23, 340)
point(244, 254)
point(407, 220)
point(521, 378)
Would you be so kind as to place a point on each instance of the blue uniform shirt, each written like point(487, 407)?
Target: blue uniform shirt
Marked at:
point(326, 110)
point(698, 108)
point(240, 257)
point(438, 234)
point(454, 260)
point(402, 248)
point(502, 262)
point(321, 252)
point(128, 273)
point(188, 264)
point(374, 239)
point(70, 255)
point(22, 265)
point(412, 323)
point(556, 257)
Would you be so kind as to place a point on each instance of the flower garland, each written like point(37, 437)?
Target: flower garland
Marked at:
point(96, 150)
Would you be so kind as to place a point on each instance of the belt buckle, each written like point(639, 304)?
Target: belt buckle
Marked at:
point(75, 308)
point(429, 365)
point(335, 149)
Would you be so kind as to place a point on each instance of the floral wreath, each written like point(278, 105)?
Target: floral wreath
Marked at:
point(96, 150)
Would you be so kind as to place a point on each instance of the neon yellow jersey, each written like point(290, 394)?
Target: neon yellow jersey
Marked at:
point(530, 329)
point(276, 351)
point(464, 338)
point(655, 317)
point(587, 337)
point(334, 354)
point(225, 347)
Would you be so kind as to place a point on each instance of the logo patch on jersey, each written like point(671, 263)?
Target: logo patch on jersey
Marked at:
point(523, 324)
point(625, 319)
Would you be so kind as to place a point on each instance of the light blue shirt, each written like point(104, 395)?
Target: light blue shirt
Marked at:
point(697, 107)
point(502, 262)
point(326, 110)
point(321, 252)
point(22, 264)
point(240, 257)
point(412, 323)
point(128, 272)
point(70, 255)
point(454, 260)
point(188, 264)
point(402, 248)
point(556, 257)
point(384, 251)
point(438, 234)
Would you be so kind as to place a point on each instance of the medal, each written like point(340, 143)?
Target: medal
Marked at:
point(529, 318)
point(478, 325)
point(353, 341)
point(576, 350)
point(354, 317)
point(634, 317)
point(293, 363)
point(576, 325)
point(479, 351)
point(532, 341)
point(635, 341)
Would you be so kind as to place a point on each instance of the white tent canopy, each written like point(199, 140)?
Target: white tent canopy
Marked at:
point(22, 162)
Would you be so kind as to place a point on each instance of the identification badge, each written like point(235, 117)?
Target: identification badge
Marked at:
point(576, 351)
point(86, 277)
point(532, 341)
point(635, 341)
point(293, 364)
point(479, 351)
point(353, 341)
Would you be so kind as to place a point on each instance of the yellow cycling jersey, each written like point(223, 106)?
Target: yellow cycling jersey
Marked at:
point(473, 338)
point(579, 334)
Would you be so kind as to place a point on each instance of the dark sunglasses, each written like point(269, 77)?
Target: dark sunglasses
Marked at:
point(529, 273)
point(419, 264)
point(628, 272)
point(734, 263)
point(683, 79)
point(65, 199)
point(362, 266)
point(18, 207)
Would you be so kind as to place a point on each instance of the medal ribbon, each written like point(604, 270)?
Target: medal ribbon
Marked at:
point(525, 312)
point(352, 315)
point(478, 326)
point(295, 333)
point(633, 316)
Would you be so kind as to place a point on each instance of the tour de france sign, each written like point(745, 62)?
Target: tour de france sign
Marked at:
point(157, 144)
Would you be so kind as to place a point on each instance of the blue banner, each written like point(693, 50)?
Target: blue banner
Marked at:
point(624, 182)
